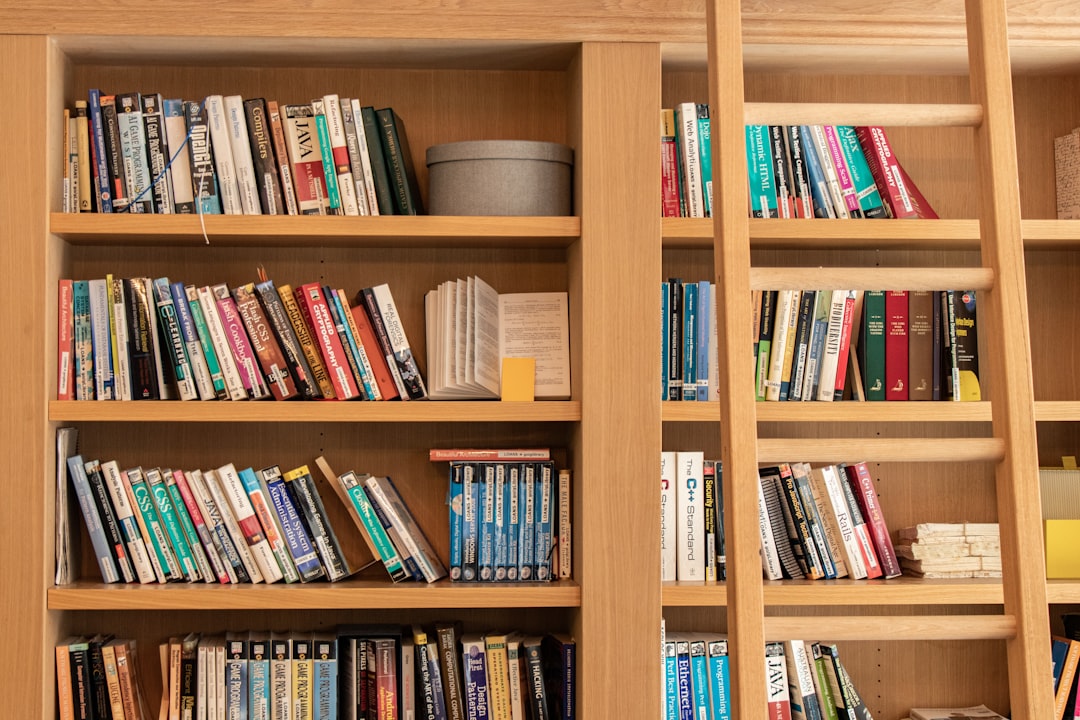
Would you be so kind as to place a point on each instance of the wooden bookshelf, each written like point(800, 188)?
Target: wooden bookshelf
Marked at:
point(587, 74)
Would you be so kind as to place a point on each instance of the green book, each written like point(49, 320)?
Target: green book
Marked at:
point(170, 521)
point(383, 545)
point(203, 331)
point(872, 347)
point(162, 553)
point(399, 163)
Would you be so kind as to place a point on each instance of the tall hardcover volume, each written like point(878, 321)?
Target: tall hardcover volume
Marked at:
point(399, 163)
point(384, 192)
point(896, 345)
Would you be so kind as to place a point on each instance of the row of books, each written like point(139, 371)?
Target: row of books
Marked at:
point(230, 526)
point(689, 359)
point(804, 680)
point(691, 517)
point(358, 672)
point(140, 153)
point(795, 171)
point(1065, 655)
point(908, 345)
point(509, 520)
point(823, 523)
point(142, 338)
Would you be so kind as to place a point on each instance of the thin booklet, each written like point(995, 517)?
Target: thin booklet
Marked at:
point(472, 329)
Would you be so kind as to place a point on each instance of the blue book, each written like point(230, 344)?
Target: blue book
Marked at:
point(454, 502)
point(258, 676)
point(703, 336)
point(544, 505)
point(690, 341)
point(671, 682)
point(236, 677)
point(501, 501)
point(486, 560)
point(352, 344)
point(97, 140)
point(684, 680)
point(513, 518)
point(699, 675)
point(819, 185)
point(762, 175)
point(324, 679)
point(719, 680)
point(665, 339)
point(77, 474)
point(83, 340)
point(474, 674)
point(812, 375)
point(304, 555)
point(470, 495)
point(527, 544)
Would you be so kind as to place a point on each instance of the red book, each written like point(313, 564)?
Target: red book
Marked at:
point(896, 187)
point(862, 485)
point(896, 345)
point(265, 345)
point(845, 345)
point(65, 333)
point(669, 167)
point(317, 315)
point(379, 368)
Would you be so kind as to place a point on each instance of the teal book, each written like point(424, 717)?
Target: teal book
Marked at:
point(872, 347)
point(333, 194)
point(203, 333)
point(170, 521)
point(719, 679)
point(762, 176)
point(705, 156)
point(147, 505)
point(862, 179)
point(354, 488)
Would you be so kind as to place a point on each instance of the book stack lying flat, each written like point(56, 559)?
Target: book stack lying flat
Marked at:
point(950, 550)
point(978, 711)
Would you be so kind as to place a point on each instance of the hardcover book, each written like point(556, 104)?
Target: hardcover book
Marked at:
point(399, 162)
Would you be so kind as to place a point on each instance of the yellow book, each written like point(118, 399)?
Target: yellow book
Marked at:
point(497, 676)
point(1062, 556)
point(307, 343)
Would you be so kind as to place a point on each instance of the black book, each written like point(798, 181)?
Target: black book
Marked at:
point(766, 327)
point(108, 520)
point(203, 175)
point(785, 198)
point(142, 360)
point(373, 134)
point(189, 671)
point(286, 337)
point(537, 700)
point(81, 687)
point(560, 674)
point(157, 153)
point(262, 155)
point(305, 497)
point(774, 507)
point(792, 390)
point(99, 688)
point(800, 178)
point(399, 163)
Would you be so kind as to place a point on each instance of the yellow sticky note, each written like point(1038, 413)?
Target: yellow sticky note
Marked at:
point(1062, 548)
point(518, 379)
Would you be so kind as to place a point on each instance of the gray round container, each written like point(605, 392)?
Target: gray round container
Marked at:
point(500, 177)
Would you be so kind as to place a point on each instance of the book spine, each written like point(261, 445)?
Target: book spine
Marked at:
point(102, 184)
point(281, 694)
point(262, 507)
point(305, 157)
point(219, 342)
point(668, 517)
point(176, 139)
point(896, 345)
point(800, 180)
point(384, 381)
point(966, 346)
point(689, 341)
point(352, 147)
point(814, 565)
point(104, 384)
point(785, 301)
point(399, 348)
point(202, 532)
point(862, 179)
point(258, 677)
point(316, 313)
point(778, 699)
point(324, 678)
point(514, 520)
point(204, 180)
point(114, 154)
point(387, 552)
point(119, 337)
point(187, 526)
point(885, 171)
point(766, 330)
point(785, 195)
point(291, 349)
point(415, 541)
point(348, 342)
point(502, 516)
point(92, 517)
point(455, 505)
point(133, 152)
point(845, 344)
point(843, 174)
point(170, 522)
point(240, 145)
point(340, 161)
point(356, 345)
point(486, 524)
point(832, 178)
point(302, 329)
point(819, 184)
point(862, 485)
point(545, 506)
point(238, 534)
point(125, 518)
point(233, 325)
point(691, 522)
point(305, 557)
point(142, 349)
point(82, 341)
point(719, 679)
point(306, 497)
point(146, 501)
point(669, 173)
point(367, 175)
point(246, 517)
point(872, 348)
point(281, 159)
point(688, 140)
point(763, 197)
point(224, 159)
point(206, 342)
point(65, 341)
point(830, 360)
point(399, 163)
point(271, 359)
point(200, 371)
point(824, 539)
point(920, 345)
point(470, 492)
point(157, 151)
point(333, 204)
point(215, 524)
point(384, 187)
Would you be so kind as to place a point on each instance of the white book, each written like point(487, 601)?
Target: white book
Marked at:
point(234, 386)
point(821, 146)
point(339, 149)
point(365, 157)
point(183, 192)
point(224, 163)
point(129, 526)
point(122, 360)
point(800, 680)
point(515, 663)
point(785, 303)
point(770, 558)
point(382, 491)
point(203, 657)
point(690, 496)
point(690, 155)
point(356, 162)
point(402, 364)
point(776, 674)
point(281, 677)
point(102, 340)
point(668, 515)
point(835, 513)
point(217, 493)
point(218, 678)
point(831, 354)
point(240, 144)
point(212, 518)
point(254, 534)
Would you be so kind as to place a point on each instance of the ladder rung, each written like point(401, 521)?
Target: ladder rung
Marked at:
point(916, 449)
point(886, 114)
point(876, 278)
point(892, 627)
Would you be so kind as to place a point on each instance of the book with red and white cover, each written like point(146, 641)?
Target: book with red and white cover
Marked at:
point(388, 389)
point(65, 342)
point(776, 682)
point(244, 514)
point(669, 164)
point(305, 157)
point(862, 484)
point(317, 315)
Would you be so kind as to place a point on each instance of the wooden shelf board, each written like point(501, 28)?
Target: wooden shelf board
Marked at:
point(893, 627)
point(354, 594)
point(845, 234)
point(1063, 591)
point(1051, 234)
point(1057, 410)
point(323, 231)
point(898, 591)
point(859, 412)
point(414, 411)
